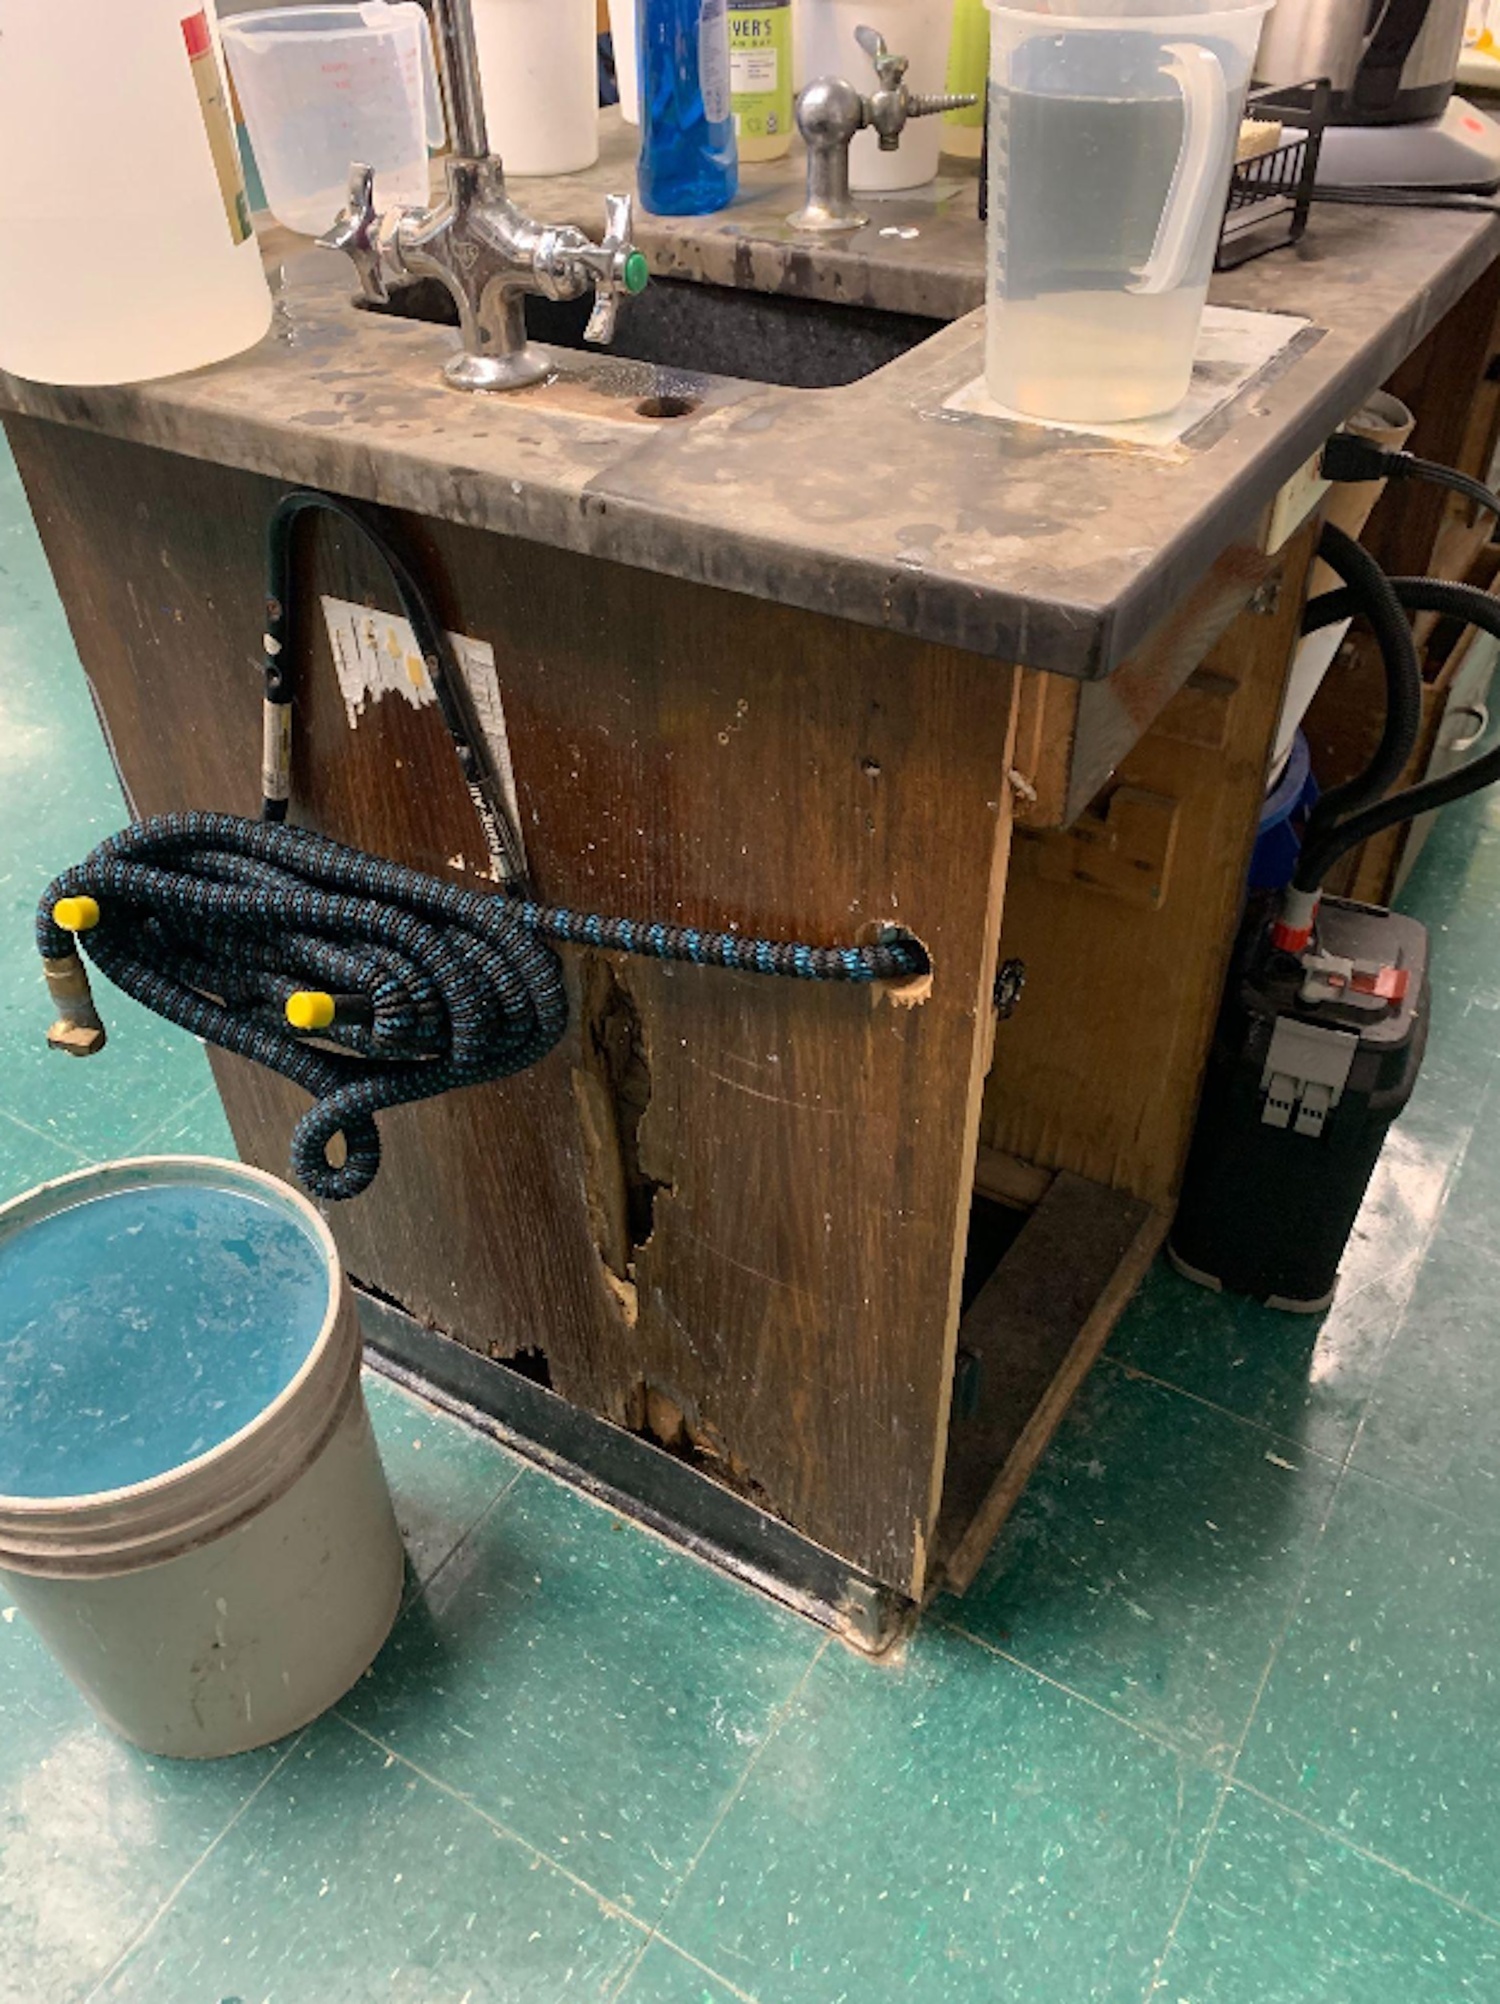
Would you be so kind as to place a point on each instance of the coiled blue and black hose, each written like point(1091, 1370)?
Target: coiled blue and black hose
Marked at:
point(256, 935)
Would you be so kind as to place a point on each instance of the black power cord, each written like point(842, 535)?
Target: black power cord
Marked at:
point(1456, 601)
point(1348, 457)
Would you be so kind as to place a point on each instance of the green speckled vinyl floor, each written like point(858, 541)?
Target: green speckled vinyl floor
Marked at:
point(1219, 1724)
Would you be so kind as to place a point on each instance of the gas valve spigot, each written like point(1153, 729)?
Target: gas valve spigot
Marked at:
point(830, 112)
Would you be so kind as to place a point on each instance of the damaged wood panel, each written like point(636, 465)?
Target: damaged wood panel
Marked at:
point(1099, 1069)
point(160, 563)
point(729, 1210)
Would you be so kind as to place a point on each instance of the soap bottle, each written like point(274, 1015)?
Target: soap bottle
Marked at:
point(760, 76)
point(689, 165)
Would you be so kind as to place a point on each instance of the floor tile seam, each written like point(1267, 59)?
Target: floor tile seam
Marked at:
point(40, 1134)
point(139, 1940)
point(470, 1530)
point(143, 1141)
point(1348, 1843)
point(1129, 1370)
point(778, 1719)
point(1458, 1518)
point(1155, 1735)
point(393, 1755)
point(627, 1977)
point(1293, 1609)
point(1210, 1831)
point(734, 1989)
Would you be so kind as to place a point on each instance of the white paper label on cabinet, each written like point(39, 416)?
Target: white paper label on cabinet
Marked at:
point(375, 654)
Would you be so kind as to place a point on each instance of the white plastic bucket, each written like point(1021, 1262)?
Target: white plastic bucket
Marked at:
point(230, 1599)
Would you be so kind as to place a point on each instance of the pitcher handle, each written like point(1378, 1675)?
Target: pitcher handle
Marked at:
point(1199, 75)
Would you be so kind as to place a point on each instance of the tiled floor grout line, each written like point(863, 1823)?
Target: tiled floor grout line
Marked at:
point(192, 1871)
point(778, 1719)
point(1129, 1370)
point(1158, 1739)
point(1294, 1605)
point(744, 1996)
point(609, 1906)
point(40, 1134)
point(1363, 1851)
point(143, 1141)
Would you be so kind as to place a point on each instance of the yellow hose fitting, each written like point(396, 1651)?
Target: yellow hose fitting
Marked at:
point(79, 914)
point(309, 1009)
point(78, 1030)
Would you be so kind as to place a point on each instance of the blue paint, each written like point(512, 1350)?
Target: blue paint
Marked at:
point(142, 1328)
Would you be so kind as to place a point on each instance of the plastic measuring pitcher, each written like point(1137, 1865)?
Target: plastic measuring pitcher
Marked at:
point(321, 87)
point(1113, 126)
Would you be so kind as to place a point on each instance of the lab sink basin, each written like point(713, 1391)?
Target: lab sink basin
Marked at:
point(714, 330)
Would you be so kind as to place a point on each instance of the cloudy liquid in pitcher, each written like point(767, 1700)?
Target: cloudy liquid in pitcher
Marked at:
point(1077, 188)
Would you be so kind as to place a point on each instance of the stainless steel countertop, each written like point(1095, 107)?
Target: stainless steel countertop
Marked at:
point(868, 502)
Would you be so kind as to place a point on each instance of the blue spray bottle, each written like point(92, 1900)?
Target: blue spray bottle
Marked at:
point(688, 164)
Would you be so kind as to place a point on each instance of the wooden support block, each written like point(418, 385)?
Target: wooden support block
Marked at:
point(1098, 1070)
point(1121, 845)
point(1030, 1337)
point(1005, 1180)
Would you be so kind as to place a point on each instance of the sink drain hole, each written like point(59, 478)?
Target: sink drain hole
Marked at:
point(667, 407)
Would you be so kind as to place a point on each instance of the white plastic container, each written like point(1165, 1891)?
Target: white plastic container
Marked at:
point(622, 33)
point(1113, 126)
point(824, 46)
point(228, 1600)
point(322, 87)
point(540, 69)
point(126, 250)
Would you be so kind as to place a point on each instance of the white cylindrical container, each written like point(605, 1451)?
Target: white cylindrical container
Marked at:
point(186, 1323)
point(540, 70)
point(824, 45)
point(622, 33)
point(126, 249)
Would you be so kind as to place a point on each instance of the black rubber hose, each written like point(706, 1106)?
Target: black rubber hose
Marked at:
point(1456, 601)
point(1369, 593)
point(283, 639)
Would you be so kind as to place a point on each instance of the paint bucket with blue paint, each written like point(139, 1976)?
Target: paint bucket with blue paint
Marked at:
point(193, 1513)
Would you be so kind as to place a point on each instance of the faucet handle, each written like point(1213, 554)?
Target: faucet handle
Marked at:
point(355, 232)
point(890, 69)
point(616, 267)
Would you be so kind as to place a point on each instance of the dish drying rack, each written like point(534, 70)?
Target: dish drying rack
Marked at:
point(1270, 194)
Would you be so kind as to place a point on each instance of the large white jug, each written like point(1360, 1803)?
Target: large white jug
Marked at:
point(125, 242)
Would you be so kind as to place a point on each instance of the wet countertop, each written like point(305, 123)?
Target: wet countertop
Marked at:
point(870, 501)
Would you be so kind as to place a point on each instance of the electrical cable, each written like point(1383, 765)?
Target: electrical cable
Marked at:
point(257, 935)
point(1369, 592)
point(1348, 457)
point(1457, 601)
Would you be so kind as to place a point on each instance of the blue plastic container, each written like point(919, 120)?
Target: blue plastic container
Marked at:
point(1278, 841)
point(689, 164)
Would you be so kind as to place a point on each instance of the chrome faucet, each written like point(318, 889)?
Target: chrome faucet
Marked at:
point(480, 245)
point(831, 111)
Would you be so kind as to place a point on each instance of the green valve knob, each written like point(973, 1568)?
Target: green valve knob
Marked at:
point(636, 272)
